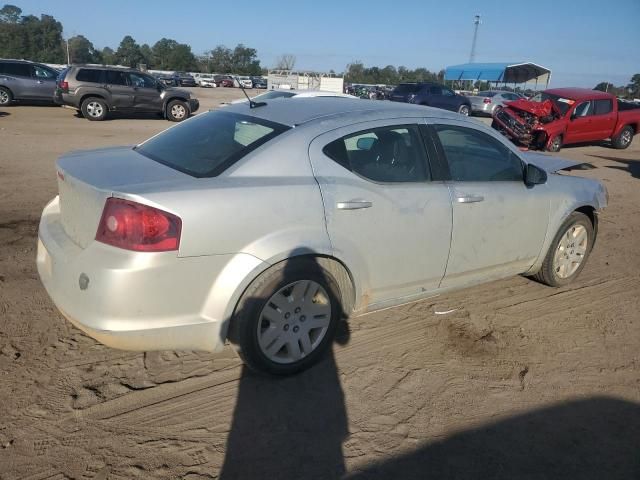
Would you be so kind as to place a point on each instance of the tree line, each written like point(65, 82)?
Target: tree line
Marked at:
point(631, 90)
point(41, 40)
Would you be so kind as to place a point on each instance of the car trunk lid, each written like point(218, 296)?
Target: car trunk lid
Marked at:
point(87, 178)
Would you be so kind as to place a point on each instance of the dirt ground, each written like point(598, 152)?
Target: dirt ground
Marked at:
point(519, 381)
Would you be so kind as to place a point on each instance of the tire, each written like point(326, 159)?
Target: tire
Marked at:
point(94, 109)
point(177, 111)
point(271, 339)
point(623, 139)
point(6, 97)
point(464, 110)
point(551, 273)
point(556, 144)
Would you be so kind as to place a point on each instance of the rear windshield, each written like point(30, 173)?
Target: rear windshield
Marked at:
point(209, 143)
point(273, 94)
point(408, 88)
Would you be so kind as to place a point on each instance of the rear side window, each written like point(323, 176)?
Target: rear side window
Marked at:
point(209, 143)
point(388, 154)
point(474, 156)
point(603, 107)
point(114, 77)
point(89, 75)
point(407, 88)
point(435, 90)
point(17, 69)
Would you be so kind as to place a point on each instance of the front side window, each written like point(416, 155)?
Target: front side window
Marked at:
point(448, 93)
point(209, 143)
point(584, 109)
point(474, 156)
point(388, 154)
point(141, 81)
point(40, 72)
point(602, 107)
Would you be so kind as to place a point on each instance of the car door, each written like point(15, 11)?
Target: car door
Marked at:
point(603, 119)
point(120, 91)
point(449, 100)
point(146, 96)
point(581, 127)
point(435, 98)
point(499, 224)
point(387, 215)
point(41, 84)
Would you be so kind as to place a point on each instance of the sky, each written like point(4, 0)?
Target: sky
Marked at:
point(583, 42)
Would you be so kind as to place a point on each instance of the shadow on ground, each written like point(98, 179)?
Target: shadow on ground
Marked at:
point(631, 166)
point(128, 116)
point(596, 438)
point(4, 114)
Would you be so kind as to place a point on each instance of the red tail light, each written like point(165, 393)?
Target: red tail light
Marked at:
point(64, 86)
point(133, 226)
point(487, 100)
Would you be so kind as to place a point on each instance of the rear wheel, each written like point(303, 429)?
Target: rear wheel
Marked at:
point(6, 97)
point(177, 111)
point(287, 318)
point(463, 110)
point(623, 139)
point(556, 144)
point(568, 252)
point(94, 109)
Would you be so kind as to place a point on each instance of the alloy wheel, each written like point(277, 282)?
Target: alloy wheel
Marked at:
point(625, 138)
point(464, 110)
point(178, 111)
point(571, 251)
point(294, 321)
point(95, 109)
point(4, 97)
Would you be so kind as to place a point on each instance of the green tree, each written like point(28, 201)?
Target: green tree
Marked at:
point(220, 60)
point(181, 58)
point(245, 61)
point(43, 39)
point(147, 55)
point(634, 86)
point(81, 50)
point(161, 52)
point(128, 52)
point(10, 14)
point(108, 56)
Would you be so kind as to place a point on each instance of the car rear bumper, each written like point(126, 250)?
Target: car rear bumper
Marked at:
point(482, 108)
point(67, 99)
point(139, 301)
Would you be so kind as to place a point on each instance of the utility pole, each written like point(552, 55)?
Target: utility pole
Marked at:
point(476, 22)
point(68, 56)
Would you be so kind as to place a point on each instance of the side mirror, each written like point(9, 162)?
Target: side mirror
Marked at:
point(534, 175)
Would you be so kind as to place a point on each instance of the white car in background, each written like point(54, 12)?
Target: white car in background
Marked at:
point(281, 93)
point(206, 80)
point(245, 82)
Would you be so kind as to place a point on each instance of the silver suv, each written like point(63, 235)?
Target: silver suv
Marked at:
point(98, 90)
point(24, 80)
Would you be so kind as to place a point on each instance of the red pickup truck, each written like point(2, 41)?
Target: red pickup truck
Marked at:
point(562, 116)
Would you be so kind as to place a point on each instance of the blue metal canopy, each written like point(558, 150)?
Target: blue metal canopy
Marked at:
point(521, 72)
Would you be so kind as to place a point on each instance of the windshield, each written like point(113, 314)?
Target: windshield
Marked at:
point(209, 143)
point(561, 103)
point(273, 94)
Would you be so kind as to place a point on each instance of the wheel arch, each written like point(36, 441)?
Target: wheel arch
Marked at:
point(93, 95)
point(167, 101)
point(338, 270)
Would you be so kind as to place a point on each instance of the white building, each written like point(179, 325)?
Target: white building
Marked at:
point(288, 79)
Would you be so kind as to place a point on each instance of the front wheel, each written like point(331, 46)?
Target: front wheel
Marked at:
point(177, 111)
point(556, 144)
point(622, 140)
point(463, 110)
point(287, 318)
point(568, 252)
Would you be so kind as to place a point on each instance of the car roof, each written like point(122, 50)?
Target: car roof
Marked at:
point(104, 67)
point(579, 93)
point(306, 110)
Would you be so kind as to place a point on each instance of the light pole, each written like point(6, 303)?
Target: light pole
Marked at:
point(476, 22)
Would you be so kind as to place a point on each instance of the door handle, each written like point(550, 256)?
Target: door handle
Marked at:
point(353, 205)
point(40, 82)
point(469, 199)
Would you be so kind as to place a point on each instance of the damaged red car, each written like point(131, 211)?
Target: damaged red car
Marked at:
point(563, 116)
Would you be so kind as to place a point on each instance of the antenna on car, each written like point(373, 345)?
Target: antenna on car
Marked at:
point(252, 104)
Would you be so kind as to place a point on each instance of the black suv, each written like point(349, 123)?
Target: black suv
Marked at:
point(431, 95)
point(23, 80)
point(96, 91)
